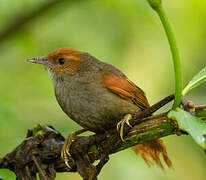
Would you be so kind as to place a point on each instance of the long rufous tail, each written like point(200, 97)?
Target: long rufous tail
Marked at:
point(150, 152)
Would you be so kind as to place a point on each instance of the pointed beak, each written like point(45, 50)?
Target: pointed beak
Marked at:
point(38, 60)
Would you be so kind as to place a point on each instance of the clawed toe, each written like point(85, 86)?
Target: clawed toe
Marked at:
point(120, 125)
point(65, 152)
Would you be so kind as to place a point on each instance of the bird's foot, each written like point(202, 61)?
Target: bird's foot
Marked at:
point(121, 124)
point(65, 154)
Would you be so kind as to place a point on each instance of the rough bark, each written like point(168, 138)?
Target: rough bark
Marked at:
point(40, 151)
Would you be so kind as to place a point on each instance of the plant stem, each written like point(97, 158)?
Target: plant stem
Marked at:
point(157, 6)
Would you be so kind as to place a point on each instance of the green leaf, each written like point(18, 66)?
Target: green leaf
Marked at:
point(196, 81)
point(93, 148)
point(191, 124)
point(38, 129)
point(6, 174)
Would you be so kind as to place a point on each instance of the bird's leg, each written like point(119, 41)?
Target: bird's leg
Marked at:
point(120, 125)
point(65, 154)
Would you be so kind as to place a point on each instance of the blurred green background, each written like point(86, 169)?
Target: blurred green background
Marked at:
point(125, 33)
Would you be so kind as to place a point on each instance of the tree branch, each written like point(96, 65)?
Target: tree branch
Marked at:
point(44, 144)
point(150, 128)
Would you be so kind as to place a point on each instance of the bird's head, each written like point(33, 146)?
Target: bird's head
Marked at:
point(60, 61)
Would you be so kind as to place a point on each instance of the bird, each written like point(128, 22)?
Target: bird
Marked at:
point(97, 96)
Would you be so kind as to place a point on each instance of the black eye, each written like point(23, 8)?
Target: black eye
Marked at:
point(61, 61)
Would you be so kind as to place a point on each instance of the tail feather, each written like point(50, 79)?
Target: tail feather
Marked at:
point(150, 152)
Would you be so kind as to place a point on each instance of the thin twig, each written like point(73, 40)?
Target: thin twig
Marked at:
point(152, 109)
point(28, 172)
point(38, 167)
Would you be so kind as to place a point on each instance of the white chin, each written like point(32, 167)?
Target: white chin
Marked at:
point(51, 72)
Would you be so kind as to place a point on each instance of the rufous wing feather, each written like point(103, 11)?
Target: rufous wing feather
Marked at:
point(126, 89)
point(150, 150)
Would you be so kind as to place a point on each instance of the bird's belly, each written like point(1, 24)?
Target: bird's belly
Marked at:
point(97, 111)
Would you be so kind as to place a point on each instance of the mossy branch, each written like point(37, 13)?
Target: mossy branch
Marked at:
point(45, 148)
point(150, 128)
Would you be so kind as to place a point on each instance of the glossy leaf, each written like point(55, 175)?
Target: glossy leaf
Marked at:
point(196, 81)
point(191, 124)
point(6, 174)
